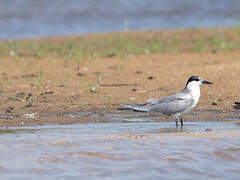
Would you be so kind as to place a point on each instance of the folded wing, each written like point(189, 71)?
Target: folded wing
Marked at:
point(171, 104)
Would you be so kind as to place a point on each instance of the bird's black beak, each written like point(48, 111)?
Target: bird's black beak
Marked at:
point(206, 82)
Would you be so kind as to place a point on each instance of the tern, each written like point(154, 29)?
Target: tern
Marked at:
point(176, 104)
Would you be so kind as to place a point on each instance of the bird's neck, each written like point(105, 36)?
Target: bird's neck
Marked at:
point(194, 90)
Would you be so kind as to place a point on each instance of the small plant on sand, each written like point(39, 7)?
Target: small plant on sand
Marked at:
point(92, 88)
point(7, 83)
point(119, 67)
point(78, 61)
point(14, 98)
point(39, 79)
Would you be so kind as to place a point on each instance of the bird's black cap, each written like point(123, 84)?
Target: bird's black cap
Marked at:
point(197, 78)
point(193, 78)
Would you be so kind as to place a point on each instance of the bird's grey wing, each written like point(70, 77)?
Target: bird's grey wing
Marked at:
point(166, 105)
point(172, 97)
point(173, 104)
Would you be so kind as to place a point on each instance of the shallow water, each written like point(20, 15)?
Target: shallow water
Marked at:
point(132, 150)
point(31, 18)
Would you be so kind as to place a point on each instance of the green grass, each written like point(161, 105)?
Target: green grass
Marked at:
point(126, 43)
point(39, 79)
point(7, 83)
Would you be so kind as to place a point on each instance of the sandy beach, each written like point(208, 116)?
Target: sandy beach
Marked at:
point(50, 83)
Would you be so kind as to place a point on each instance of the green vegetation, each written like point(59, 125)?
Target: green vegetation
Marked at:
point(39, 79)
point(126, 43)
point(7, 83)
point(15, 98)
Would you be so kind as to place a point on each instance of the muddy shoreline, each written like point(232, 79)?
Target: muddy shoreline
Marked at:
point(118, 115)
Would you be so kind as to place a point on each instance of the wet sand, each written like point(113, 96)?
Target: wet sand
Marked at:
point(53, 84)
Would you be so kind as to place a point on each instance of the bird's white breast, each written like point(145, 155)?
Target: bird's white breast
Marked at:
point(195, 93)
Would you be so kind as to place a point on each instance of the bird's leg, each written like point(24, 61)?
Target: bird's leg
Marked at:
point(176, 120)
point(181, 120)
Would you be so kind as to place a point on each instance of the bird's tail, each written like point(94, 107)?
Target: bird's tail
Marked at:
point(136, 107)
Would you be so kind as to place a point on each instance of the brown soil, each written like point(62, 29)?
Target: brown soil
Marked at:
point(107, 82)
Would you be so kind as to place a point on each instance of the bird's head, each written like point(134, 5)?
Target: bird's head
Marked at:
point(196, 81)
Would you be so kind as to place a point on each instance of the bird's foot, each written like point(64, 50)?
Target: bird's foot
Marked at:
point(181, 120)
point(176, 123)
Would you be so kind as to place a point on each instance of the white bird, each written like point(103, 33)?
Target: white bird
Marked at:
point(175, 104)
